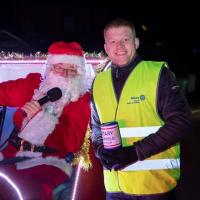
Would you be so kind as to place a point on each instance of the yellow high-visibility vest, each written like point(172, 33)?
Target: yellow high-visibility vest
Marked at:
point(136, 114)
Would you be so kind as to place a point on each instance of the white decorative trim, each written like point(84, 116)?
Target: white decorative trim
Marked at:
point(1, 156)
point(138, 131)
point(28, 154)
point(53, 161)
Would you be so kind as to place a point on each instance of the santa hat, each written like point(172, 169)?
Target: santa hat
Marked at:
point(62, 52)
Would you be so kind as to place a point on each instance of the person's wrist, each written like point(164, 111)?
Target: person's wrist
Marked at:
point(99, 150)
point(134, 154)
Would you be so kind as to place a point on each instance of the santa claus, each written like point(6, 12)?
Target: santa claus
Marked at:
point(38, 158)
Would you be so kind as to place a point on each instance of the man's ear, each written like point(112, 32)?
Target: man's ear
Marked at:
point(105, 48)
point(137, 43)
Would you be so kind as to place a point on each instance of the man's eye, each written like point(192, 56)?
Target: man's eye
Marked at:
point(112, 42)
point(126, 39)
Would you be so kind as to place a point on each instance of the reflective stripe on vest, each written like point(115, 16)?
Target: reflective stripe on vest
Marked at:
point(147, 164)
point(154, 164)
point(138, 131)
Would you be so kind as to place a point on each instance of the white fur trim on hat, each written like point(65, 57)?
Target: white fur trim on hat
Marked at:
point(64, 58)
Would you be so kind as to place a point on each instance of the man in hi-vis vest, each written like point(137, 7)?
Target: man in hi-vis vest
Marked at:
point(139, 116)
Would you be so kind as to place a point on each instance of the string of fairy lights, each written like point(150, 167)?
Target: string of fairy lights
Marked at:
point(97, 59)
point(42, 56)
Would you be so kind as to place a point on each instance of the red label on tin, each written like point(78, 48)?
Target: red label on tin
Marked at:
point(111, 136)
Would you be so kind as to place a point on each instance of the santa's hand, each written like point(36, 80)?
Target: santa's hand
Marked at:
point(31, 108)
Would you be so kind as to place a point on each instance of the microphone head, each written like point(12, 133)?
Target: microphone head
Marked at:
point(54, 94)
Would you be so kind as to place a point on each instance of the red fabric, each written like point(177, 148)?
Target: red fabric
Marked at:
point(72, 127)
point(34, 183)
point(90, 183)
point(71, 48)
point(16, 93)
point(68, 135)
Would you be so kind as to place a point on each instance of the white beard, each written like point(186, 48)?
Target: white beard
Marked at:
point(43, 123)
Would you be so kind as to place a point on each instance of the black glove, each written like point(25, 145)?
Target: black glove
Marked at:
point(117, 158)
point(123, 157)
point(106, 157)
point(69, 157)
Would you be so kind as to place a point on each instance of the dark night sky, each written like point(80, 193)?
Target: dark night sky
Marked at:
point(172, 30)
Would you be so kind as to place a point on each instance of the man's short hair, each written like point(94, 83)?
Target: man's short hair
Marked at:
point(118, 23)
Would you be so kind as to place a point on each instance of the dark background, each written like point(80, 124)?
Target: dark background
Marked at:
point(168, 30)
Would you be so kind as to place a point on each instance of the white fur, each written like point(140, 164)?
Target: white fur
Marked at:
point(1, 156)
point(28, 154)
point(45, 124)
point(53, 161)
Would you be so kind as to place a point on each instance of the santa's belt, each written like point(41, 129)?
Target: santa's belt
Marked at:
point(23, 145)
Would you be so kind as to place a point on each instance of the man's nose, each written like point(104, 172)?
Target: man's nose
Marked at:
point(120, 44)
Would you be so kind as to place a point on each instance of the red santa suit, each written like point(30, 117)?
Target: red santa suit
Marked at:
point(38, 176)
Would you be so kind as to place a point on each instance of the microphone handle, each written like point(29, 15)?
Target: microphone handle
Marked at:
point(43, 100)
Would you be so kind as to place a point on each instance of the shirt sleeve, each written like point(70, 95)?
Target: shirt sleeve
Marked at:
point(174, 109)
point(96, 135)
point(15, 93)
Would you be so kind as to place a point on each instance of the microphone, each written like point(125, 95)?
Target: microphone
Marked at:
point(52, 95)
